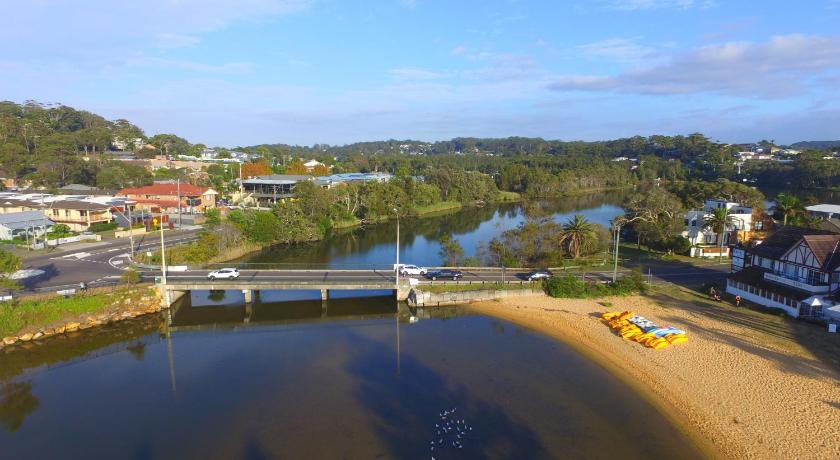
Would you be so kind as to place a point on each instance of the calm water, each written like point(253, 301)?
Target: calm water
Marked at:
point(349, 379)
point(375, 246)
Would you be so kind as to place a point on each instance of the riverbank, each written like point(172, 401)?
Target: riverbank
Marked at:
point(745, 385)
point(34, 320)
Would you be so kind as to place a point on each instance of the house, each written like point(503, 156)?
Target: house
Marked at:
point(794, 269)
point(23, 223)
point(704, 241)
point(344, 178)
point(265, 190)
point(169, 197)
point(312, 164)
point(78, 214)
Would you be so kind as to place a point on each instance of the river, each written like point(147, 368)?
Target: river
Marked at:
point(354, 377)
point(375, 246)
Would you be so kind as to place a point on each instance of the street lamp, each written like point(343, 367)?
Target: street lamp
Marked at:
point(397, 267)
point(163, 261)
point(617, 227)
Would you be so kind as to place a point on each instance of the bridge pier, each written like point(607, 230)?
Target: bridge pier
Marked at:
point(249, 296)
point(325, 294)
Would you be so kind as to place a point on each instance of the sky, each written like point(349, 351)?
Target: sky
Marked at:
point(245, 72)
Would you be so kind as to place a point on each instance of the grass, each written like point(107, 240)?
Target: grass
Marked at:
point(346, 223)
point(14, 317)
point(437, 207)
point(478, 287)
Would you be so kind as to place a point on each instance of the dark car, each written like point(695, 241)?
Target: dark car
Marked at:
point(444, 274)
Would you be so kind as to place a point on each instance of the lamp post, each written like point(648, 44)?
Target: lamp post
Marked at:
point(397, 267)
point(130, 229)
point(617, 227)
point(163, 258)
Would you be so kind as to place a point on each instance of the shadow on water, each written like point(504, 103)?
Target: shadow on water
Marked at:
point(399, 406)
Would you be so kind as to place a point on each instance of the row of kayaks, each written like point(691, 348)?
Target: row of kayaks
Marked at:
point(634, 327)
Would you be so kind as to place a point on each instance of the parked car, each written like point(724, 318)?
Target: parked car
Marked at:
point(225, 273)
point(538, 275)
point(444, 274)
point(412, 270)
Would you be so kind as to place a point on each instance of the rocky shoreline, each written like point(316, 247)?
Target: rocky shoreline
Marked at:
point(121, 310)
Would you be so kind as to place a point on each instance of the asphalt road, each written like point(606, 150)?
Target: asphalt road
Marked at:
point(104, 261)
point(92, 262)
point(675, 274)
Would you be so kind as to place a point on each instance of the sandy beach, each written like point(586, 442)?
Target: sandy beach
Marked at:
point(741, 387)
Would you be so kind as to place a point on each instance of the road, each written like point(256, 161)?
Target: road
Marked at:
point(94, 261)
point(675, 274)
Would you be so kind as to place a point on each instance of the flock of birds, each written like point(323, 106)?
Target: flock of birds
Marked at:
point(450, 433)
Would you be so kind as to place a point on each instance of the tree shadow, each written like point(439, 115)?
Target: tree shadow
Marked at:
point(835, 405)
point(16, 402)
point(407, 406)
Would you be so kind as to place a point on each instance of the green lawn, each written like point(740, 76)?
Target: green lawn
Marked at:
point(437, 207)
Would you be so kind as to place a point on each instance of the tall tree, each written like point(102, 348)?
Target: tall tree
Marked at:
point(719, 221)
point(578, 235)
point(788, 206)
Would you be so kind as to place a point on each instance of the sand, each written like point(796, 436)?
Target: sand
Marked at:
point(736, 394)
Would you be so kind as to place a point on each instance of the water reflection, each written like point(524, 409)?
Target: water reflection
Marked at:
point(375, 245)
point(16, 402)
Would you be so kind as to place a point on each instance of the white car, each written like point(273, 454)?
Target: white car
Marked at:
point(225, 274)
point(412, 270)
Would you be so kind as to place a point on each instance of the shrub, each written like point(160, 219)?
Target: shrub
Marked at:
point(570, 286)
point(103, 226)
point(131, 276)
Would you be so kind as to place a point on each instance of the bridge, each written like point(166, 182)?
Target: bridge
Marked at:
point(323, 280)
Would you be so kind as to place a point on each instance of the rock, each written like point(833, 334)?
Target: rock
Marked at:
point(37, 335)
point(60, 329)
point(71, 327)
point(85, 326)
point(10, 340)
point(26, 337)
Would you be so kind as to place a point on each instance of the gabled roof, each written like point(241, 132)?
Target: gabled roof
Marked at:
point(23, 219)
point(784, 239)
point(167, 189)
point(823, 247)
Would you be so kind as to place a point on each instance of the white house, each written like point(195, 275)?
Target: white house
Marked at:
point(704, 241)
point(795, 269)
point(312, 164)
point(22, 223)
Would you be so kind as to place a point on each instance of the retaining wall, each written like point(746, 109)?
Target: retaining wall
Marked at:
point(420, 298)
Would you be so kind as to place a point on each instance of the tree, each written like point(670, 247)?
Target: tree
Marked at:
point(297, 168)
point(213, 217)
point(321, 170)
point(787, 206)
point(718, 221)
point(578, 234)
point(450, 250)
point(130, 276)
point(259, 168)
point(655, 214)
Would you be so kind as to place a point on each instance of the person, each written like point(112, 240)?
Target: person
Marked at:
point(83, 286)
point(713, 293)
point(737, 301)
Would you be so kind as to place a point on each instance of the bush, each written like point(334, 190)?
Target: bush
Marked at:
point(131, 276)
point(570, 286)
point(103, 226)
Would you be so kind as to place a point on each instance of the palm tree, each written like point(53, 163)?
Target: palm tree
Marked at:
point(578, 234)
point(788, 206)
point(717, 221)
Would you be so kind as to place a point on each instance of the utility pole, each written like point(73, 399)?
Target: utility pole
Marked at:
point(163, 259)
point(179, 203)
point(398, 250)
point(615, 252)
point(130, 229)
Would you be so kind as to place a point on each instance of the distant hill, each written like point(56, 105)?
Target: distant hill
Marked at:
point(816, 145)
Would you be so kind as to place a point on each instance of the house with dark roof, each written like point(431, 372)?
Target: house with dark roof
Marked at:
point(794, 269)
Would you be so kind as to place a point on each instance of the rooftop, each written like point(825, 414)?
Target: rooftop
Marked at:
point(167, 189)
point(826, 208)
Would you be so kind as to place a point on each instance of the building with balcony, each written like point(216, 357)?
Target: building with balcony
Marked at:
point(794, 269)
point(704, 241)
point(169, 197)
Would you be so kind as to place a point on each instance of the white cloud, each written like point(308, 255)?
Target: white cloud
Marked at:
point(410, 4)
point(783, 66)
point(634, 5)
point(619, 49)
point(199, 67)
point(168, 40)
point(414, 73)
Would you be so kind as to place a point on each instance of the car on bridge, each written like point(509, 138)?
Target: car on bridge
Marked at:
point(412, 270)
point(444, 274)
point(225, 274)
point(538, 275)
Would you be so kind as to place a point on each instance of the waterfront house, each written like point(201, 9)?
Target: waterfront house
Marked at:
point(169, 197)
point(704, 241)
point(794, 269)
point(77, 213)
point(265, 190)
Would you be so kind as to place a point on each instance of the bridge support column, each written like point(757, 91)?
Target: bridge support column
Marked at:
point(325, 294)
point(249, 310)
point(249, 296)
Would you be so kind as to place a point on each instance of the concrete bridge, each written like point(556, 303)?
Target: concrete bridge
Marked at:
point(251, 281)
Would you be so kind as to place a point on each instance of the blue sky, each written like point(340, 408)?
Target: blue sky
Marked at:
point(306, 71)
